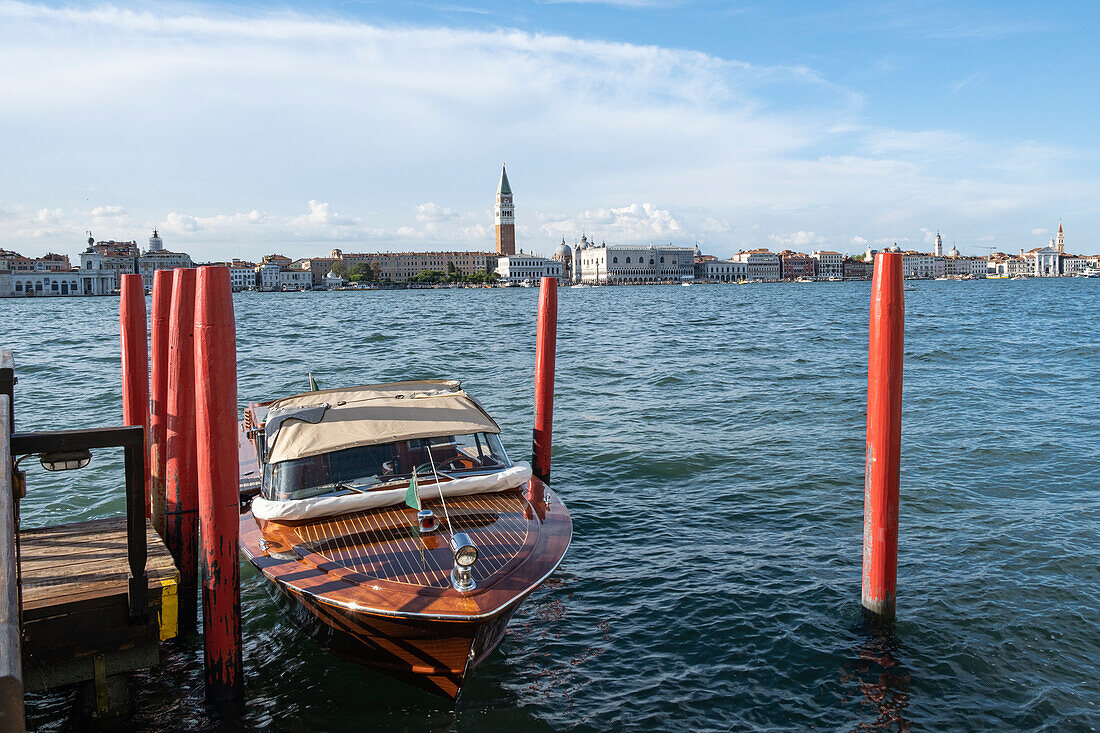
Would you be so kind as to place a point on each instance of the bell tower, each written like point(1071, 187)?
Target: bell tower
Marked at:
point(1061, 240)
point(505, 217)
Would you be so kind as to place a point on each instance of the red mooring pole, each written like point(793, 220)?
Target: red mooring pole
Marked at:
point(135, 361)
point(881, 477)
point(219, 497)
point(546, 341)
point(181, 468)
point(162, 304)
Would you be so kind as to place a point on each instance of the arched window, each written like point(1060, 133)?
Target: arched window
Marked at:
point(628, 260)
point(662, 260)
point(614, 260)
point(651, 260)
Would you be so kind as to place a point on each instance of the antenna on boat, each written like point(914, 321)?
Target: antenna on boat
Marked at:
point(450, 529)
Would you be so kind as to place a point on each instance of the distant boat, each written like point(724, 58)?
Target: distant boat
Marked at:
point(1091, 272)
point(579, 285)
point(686, 284)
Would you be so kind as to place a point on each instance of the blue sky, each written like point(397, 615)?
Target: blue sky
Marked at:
point(249, 128)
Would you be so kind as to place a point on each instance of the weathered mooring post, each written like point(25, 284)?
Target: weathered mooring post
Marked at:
point(181, 470)
point(883, 457)
point(546, 344)
point(11, 652)
point(135, 361)
point(158, 418)
point(219, 497)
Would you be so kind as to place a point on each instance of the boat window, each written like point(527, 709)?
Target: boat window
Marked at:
point(383, 466)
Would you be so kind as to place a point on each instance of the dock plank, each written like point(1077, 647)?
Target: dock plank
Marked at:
point(54, 568)
point(75, 581)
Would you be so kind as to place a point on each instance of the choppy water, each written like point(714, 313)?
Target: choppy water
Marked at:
point(709, 443)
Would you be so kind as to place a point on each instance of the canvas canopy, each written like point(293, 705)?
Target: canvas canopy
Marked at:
point(329, 420)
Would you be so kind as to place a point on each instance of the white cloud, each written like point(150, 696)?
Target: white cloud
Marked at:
point(259, 111)
point(1039, 231)
point(860, 241)
point(321, 214)
point(50, 216)
point(797, 239)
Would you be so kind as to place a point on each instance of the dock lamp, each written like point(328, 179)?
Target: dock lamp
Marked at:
point(465, 556)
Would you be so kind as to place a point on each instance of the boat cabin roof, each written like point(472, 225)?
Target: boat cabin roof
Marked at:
point(314, 423)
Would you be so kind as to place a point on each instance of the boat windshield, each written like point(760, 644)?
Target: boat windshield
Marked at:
point(368, 467)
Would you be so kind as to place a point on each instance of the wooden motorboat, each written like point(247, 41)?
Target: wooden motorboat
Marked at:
point(329, 516)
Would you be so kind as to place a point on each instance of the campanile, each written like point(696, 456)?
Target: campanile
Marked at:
point(505, 217)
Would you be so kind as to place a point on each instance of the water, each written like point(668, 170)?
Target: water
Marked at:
point(709, 443)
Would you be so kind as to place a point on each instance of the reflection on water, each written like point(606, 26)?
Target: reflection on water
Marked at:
point(882, 679)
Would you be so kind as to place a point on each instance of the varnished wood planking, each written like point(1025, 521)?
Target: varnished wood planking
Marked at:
point(385, 543)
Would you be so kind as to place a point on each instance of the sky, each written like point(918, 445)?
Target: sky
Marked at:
point(239, 130)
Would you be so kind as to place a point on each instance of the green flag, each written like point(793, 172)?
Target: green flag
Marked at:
point(313, 383)
point(411, 497)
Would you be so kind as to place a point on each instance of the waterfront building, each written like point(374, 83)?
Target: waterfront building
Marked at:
point(397, 267)
point(333, 281)
point(319, 267)
point(267, 276)
point(955, 265)
point(1004, 265)
point(762, 264)
point(564, 255)
point(632, 264)
point(918, 265)
point(1074, 264)
point(1044, 261)
point(517, 268)
point(242, 275)
point(701, 261)
point(829, 263)
point(796, 264)
point(48, 262)
point(505, 217)
point(158, 258)
point(276, 259)
point(724, 271)
point(44, 283)
point(290, 279)
point(857, 269)
point(121, 258)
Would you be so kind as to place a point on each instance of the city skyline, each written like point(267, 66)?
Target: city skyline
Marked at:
point(238, 131)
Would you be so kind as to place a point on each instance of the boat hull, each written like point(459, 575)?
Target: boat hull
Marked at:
point(435, 656)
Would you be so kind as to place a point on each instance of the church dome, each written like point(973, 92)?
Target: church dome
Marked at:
point(895, 248)
point(954, 251)
point(563, 252)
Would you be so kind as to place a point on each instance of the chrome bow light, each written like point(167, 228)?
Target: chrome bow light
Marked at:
point(465, 556)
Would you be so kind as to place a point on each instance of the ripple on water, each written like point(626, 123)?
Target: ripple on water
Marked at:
point(709, 443)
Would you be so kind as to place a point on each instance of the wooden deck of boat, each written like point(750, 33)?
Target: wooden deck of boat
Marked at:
point(385, 543)
point(75, 603)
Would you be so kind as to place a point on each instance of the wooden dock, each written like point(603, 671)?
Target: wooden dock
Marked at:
point(76, 615)
point(79, 601)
